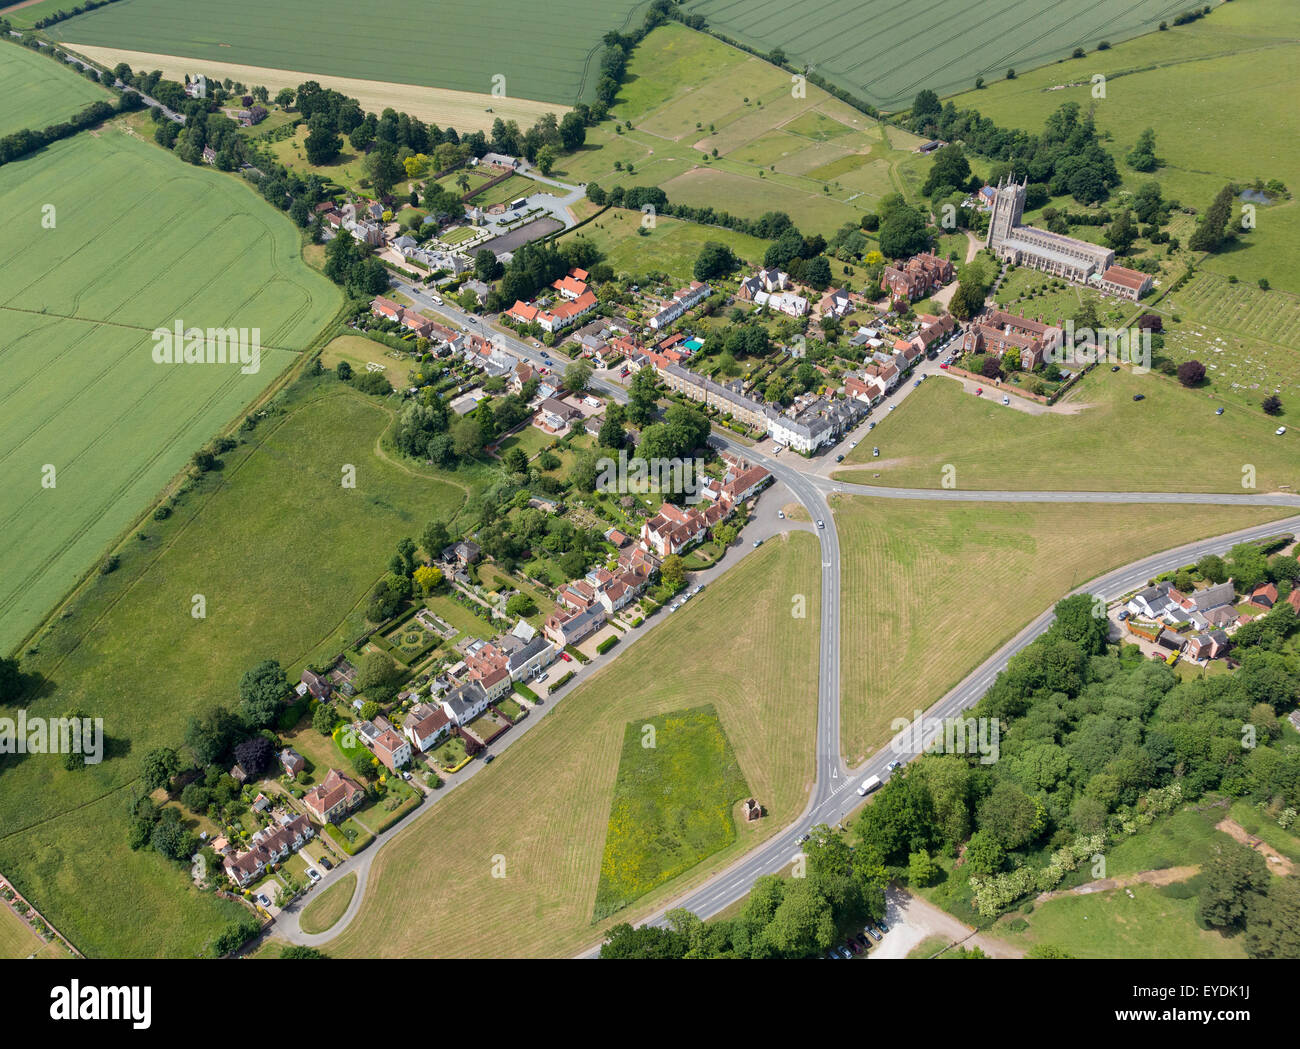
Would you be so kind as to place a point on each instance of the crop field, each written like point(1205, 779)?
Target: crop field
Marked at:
point(670, 247)
point(38, 93)
point(549, 52)
point(1112, 443)
point(250, 538)
point(688, 94)
point(884, 53)
point(545, 803)
point(999, 564)
point(677, 784)
point(1210, 91)
point(92, 428)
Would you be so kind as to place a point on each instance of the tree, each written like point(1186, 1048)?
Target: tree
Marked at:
point(984, 853)
point(573, 132)
point(642, 397)
point(255, 755)
point(577, 376)
point(515, 461)
point(1273, 921)
point(1272, 404)
point(323, 141)
point(11, 680)
point(428, 579)
point(1122, 232)
point(1212, 229)
point(647, 941)
point(1143, 155)
point(158, 768)
point(344, 369)
point(209, 734)
point(323, 718)
point(1011, 815)
point(1191, 373)
point(714, 260)
point(486, 266)
point(921, 869)
point(261, 691)
point(673, 572)
point(466, 436)
point(298, 953)
point(378, 677)
point(521, 606)
point(950, 172)
point(435, 538)
point(1247, 565)
point(903, 233)
point(1236, 874)
point(1076, 621)
point(1212, 568)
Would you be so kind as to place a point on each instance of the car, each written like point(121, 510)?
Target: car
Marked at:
point(1218, 411)
point(1139, 397)
point(802, 838)
point(916, 384)
point(821, 524)
point(313, 874)
point(1006, 399)
point(566, 657)
point(1280, 431)
point(672, 608)
point(324, 862)
point(542, 676)
point(870, 930)
point(839, 458)
point(892, 407)
point(261, 898)
point(487, 760)
point(1123, 615)
point(545, 356)
point(853, 444)
point(758, 542)
point(871, 427)
point(434, 298)
point(944, 365)
point(1114, 367)
point(845, 952)
point(853, 946)
point(862, 940)
point(781, 514)
point(880, 924)
point(894, 766)
point(979, 391)
point(406, 775)
point(697, 589)
point(875, 451)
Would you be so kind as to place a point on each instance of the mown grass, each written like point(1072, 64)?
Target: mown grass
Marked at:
point(543, 807)
point(328, 907)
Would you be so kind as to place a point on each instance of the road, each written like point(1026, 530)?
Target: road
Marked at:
point(834, 796)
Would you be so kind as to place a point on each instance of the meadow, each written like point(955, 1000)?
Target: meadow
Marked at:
point(285, 557)
point(678, 782)
point(948, 583)
point(139, 240)
point(884, 54)
point(545, 803)
point(1112, 443)
point(38, 93)
point(1210, 91)
point(549, 53)
point(687, 94)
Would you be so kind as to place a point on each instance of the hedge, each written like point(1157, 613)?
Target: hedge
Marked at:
point(606, 645)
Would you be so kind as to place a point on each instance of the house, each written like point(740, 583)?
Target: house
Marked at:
point(1263, 596)
point(425, 725)
point(555, 416)
point(917, 277)
point(269, 846)
point(531, 659)
point(683, 299)
point(744, 484)
point(567, 626)
point(786, 302)
point(1207, 646)
point(464, 704)
point(391, 749)
point(466, 552)
point(1000, 333)
point(1124, 283)
point(317, 685)
point(209, 155)
point(292, 762)
point(1153, 602)
point(613, 535)
point(768, 280)
point(333, 798)
point(673, 529)
point(837, 303)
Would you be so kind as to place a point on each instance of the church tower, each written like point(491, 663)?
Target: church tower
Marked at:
point(1008, 206)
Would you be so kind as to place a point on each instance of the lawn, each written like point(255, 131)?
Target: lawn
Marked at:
point(558, 781)
point(912, 564)
point(360, 352)
point(678, 781)
point(504, 192)
point(884, 55)
point(142, 241)
point(1216, 81)
point(39, 91)
point(329, 906)
point(550, 54)
point(240, 540)
point(17, 940)
point(1112, 444)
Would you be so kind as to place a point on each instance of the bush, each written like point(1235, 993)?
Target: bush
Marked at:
point(606, 645)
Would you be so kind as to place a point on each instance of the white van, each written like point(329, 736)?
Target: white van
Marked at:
point(868, 785)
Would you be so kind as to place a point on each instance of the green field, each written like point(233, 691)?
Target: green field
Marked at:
point(884, 53)
point(678, 782)
point(329, 906)
point(550, 53)
point(671, 247)
point(285, 557)
point(1113, 443)
point(935, 588)
point(140, 241)
point(38, 93)
point(1210, 91)
point(688, 94)
point(761, 680)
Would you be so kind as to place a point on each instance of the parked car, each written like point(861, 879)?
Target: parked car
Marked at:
point(781, 514)
point(880, 924)
point(1006, 399)
point(1139, 397)
point(853, 444)
point(892, 407)
point(916, 384)
point(325, 862)
point(406, 775)
point(862, 940)
point(758, 542)
point(853, 946)
point(313, 874)
point(261, 898)
point(566, 657)
point(875, 451)
point(1114, 367)
point(944, 365)
point(487, 760)
point(802, 838)
point(839, 458)
point(845, 952)
point(870, 427)
point(870, 930)
point(979, 391)
point(697, 589)
point(542, 677)
point(1280, 431)
point(1218, 411)
point(1123, 615)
